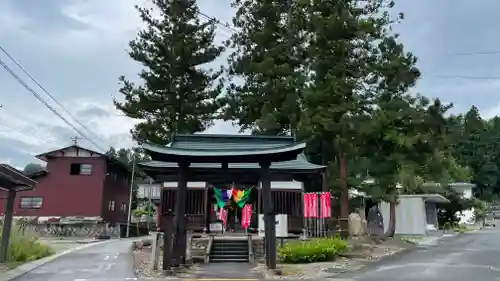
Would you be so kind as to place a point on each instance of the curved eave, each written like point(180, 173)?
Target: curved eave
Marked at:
point(291, 167)
point(172, 154)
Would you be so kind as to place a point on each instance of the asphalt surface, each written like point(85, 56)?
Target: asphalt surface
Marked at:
point(109, 261)
point(473, 256)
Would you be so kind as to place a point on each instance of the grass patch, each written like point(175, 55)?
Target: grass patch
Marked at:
point(317, 250)
point(24, 246)
point(409, 238)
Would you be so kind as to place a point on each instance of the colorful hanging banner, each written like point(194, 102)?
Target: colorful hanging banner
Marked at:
point(246, 216)
point(310, 205)
point(223, 216)
point(223, 196)
point(326, 205)
point(240, 196)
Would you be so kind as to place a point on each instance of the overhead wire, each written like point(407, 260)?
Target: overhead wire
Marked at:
point(21, 131)
point(52, 109)
point(44, 102)
point(47, 93)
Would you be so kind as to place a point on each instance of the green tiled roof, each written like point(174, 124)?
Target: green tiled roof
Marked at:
point(230, 142)
point(222, 145)
point(300, 164)
point(222, 150)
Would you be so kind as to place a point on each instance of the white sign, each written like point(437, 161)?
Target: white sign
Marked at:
point(281, 225)
point(215, 227)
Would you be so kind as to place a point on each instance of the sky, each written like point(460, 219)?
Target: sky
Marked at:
point(76, 49)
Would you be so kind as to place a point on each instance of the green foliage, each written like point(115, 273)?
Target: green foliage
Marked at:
point(125, 159)
point(32, 168)
point(480, 210)
point(269, 55)
point(178, 93)
point(317, 250)
point(140, 212)
point(25, 247)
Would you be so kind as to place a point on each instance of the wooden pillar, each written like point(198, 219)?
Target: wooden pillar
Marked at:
point(207, 209)
point(7, 224)
point(180, 215)
point(269, 217)
point(167, 224)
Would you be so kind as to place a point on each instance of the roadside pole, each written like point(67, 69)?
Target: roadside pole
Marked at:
point(129, 215)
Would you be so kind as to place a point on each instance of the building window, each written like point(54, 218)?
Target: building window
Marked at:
point(111, 205)
point(124, 207)
point(80, 169)
point(31, 202)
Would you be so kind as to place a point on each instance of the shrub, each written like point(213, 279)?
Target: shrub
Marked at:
point(25, 247)
point(317, 250)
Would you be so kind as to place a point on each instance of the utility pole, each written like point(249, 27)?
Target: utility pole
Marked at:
point(129, 215)
point(75, 140)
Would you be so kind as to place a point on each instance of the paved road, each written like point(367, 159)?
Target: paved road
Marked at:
point(472, 256)
point(109, 261)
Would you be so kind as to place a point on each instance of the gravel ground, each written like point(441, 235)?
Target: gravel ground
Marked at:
point(364, 251)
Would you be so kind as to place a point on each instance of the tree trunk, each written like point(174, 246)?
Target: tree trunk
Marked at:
point(344, 196)
point(391, 228)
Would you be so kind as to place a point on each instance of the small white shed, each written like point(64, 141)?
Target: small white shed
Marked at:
point(416, 214)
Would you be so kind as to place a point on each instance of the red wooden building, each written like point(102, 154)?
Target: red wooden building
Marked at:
point(77, 183)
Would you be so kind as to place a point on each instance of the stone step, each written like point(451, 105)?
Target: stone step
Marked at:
point(230, 248)
point(228, 254)
point(229, 260)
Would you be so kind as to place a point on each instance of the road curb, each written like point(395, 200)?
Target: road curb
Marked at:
point(29, 266)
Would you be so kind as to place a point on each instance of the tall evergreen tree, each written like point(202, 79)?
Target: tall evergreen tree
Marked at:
point(340, 56)
point(269, 57)
point(177, 93)
point(477, 150)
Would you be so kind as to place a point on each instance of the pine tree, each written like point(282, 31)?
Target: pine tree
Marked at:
point(342, 36)
point(477, 149)
point(177, 93)
point(269, 57)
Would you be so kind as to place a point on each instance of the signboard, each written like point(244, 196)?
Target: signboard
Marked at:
point(281, 225)
point(215, 227)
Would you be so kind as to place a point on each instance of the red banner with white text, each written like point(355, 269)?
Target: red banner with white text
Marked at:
point(325, 205)
point(246, 216)
point(310, 205)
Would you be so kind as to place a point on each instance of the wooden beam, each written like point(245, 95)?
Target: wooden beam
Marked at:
point(269, 217)
point(180, 215)
point(6, 231)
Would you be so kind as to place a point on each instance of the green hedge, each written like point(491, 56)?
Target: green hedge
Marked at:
point(25, 247)
point(317, 250)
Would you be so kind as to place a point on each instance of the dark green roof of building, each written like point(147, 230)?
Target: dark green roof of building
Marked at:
point(230, 142)
point(225, 145)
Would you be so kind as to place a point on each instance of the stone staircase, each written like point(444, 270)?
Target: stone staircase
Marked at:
point(229, 250)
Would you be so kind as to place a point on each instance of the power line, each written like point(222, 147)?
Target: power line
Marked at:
point(37, 96)
point(483, 53)
point(227, 26)
point(463, 77)
point(26, 133)
point(17, 115)
point(47, 93)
